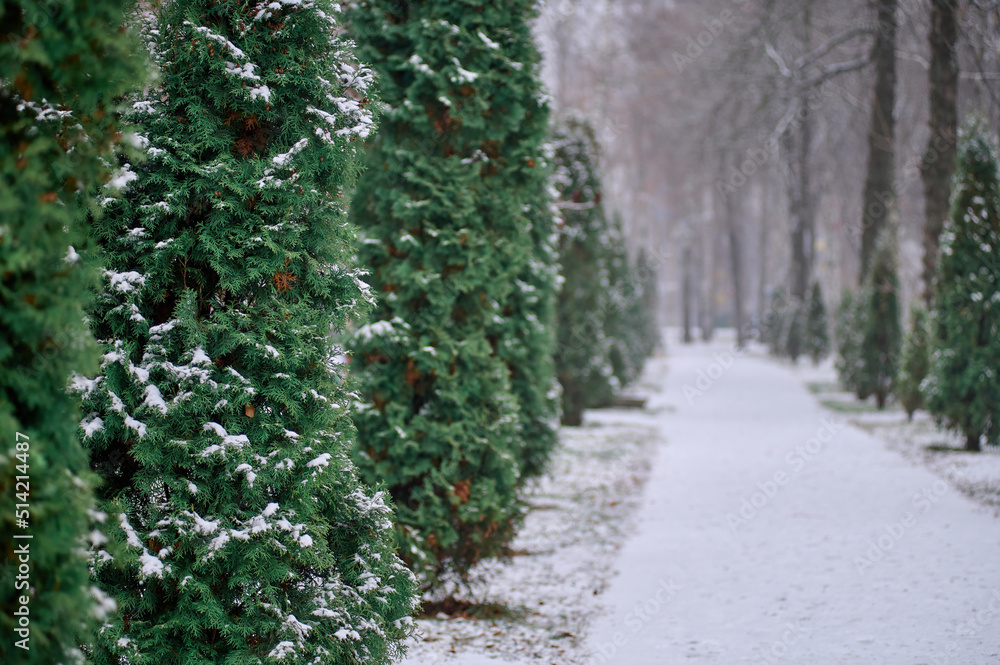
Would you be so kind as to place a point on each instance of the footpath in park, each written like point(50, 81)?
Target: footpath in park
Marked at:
point(773, 531)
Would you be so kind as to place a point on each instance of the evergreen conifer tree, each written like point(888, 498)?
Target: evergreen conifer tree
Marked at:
point(775, 324)
point(817, 327)
point(915, 361)
point(219, 422)
point(454, 222)
point(625, 322)
point(964, 384)
point(795, 331)
point(583, 356)
point(881, 331)
point(62, 64)
point(848, 338)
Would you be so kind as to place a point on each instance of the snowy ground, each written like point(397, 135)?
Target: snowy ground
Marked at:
point(771, 529)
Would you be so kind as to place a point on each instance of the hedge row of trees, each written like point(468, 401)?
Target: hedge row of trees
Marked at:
point(947, 363)
point(795, 328)
point(606, 322)
point(268, 352)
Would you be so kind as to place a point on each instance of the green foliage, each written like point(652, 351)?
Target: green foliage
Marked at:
point(62, 64)
point(628, 321)
point(794, 331)
point(881, 331)
point(963, 388)
point(583, 356)
point(219, 424)
point(915, 361)
point(457, 233)
point(817, 345)
point(848, 335)
point(607, 325)
point(773, 326)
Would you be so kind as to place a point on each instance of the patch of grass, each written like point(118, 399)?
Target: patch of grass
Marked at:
point(851, 406)
point(457, 608)
point(817, 387)
point(939, 448)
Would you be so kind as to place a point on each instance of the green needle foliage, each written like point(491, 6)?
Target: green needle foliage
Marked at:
point(915, 362)
point(964, 385)
point(220, 424)
point(817, 328)
point(526, 329)
point(458, 402)
point(62, 64)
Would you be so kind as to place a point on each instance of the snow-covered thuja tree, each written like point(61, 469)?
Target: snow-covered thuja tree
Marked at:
point(61, 67)
point(879, 322)
point(963, 388)
point(450, 211)
point(583, 354)
point(624, 320)
point(817, 344)
point(220, 421)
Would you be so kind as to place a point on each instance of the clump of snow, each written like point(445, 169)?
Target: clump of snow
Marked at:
point(90, 427)
point(105, 605)
point(121, 178)
point(236, 441)
point(199, 357)
point(125, 282)
point(219, 39)
point(284, 158)
point(261, 91)
point(139, 427)
point(245, 71)
point(322, 460)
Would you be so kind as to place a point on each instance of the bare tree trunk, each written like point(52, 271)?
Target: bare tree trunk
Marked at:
point(762, 254)
point(735, 262)
point(880, 194)
point(687, 294)
point(939, 158)
point(800, 205)
point(706, 309)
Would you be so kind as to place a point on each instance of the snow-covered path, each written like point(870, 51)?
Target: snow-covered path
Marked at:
point(772, 531)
